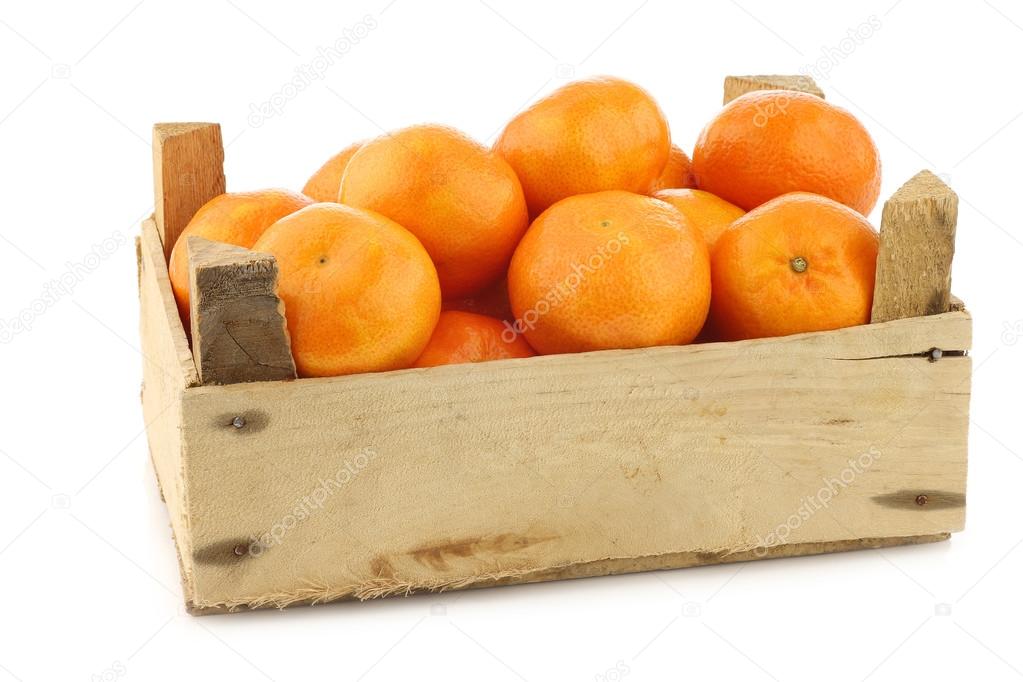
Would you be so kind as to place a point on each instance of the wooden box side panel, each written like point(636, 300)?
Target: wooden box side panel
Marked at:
point(167, 371)
point(168, 339)
point(516, 470)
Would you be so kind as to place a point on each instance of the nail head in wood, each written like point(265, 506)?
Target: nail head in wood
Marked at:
point(238, 422)
point(921, 500)
point(917, 242)
point(239, 332)
point(740, 85)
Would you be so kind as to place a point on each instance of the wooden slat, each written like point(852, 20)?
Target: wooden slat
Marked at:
point(167, 371)
point(238, 329)
point(164, 339)
point(466, 475)
point(603, 567)
point(914, 262)
point(188, 171)
point(740, 85)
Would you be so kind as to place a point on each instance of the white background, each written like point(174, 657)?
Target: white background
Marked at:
point(88, 573)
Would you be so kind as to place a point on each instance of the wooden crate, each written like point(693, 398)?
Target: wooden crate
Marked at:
point(315, 490)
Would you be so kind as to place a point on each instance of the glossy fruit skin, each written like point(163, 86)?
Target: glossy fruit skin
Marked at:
point(758, 291)
point(609, 270)
point(677, 173)
point(237, 218)
point(588, 136)
point(771, 142)
point(325, 183)
point(467, 337)
point(360, 292)
point(461, 200)
point(710, 214)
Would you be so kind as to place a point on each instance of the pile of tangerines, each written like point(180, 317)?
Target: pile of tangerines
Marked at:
point(583, 228)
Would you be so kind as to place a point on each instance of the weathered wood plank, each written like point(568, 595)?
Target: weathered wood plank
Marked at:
point(167, 371)
point(239, 333)
point(163, 340)
point(606, 567)
point(188, 171)
point(740, 85)
point(914, 262)
point(464, 475)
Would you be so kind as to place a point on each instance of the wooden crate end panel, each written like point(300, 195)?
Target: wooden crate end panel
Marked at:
point(162, 394)
point(168, 340)
point(168, 371)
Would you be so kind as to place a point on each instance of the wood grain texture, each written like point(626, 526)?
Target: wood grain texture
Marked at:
point(167, 371)
point(606, 567)
point(165, 335)
point(914, 262)
point(466, 475)
point(188, 171)
point(239, 333)
point(740, 85)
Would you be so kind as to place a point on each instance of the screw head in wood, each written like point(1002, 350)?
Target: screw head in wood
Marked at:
point(921, 500)
point(798, 264)
point(935, 354)
point(238, 422)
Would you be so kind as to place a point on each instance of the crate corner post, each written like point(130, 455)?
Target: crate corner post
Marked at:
point(239, 333)
point(188, 171)
point(735, 86)
point(917, 244)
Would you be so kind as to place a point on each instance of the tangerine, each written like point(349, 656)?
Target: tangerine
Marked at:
point(461, 200)
point(609, 270)
point(767, 143)
point(360, 292)
point(588, 136)
point(325, 183)
point(799, 263)
point(237, 218)
point(468, 337)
